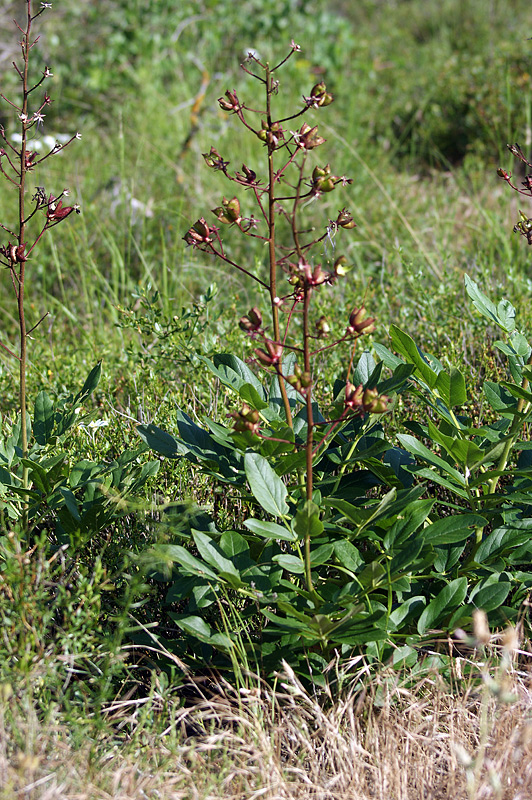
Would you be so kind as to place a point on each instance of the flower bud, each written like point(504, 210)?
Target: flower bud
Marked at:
point(325, 100)
point(213, 159)
point(345, 219)
point(198, 234)
point(341, 267)
point(300, 380)
point(251, 176)
point(322, 327)
point(309, 138)
point(270, 134)
point(318, 90)
point(322, 180)
point(229, 102)
point(30, 159)
point(228, 212)
point(373, 403)
point(247, 419)
point(321, 172)
point(20, 254)
point(503, 174)
point(353, 396)
point(318, 276)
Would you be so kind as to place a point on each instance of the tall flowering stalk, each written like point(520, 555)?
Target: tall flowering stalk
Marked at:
point(289, 184)
point(16, 163)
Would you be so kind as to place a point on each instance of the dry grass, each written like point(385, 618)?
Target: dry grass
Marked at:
point(391, 743)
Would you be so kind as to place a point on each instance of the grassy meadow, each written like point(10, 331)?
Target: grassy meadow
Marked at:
point(103, 694)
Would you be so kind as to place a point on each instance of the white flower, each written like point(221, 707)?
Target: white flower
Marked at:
point(78, 135)
point(98, 423)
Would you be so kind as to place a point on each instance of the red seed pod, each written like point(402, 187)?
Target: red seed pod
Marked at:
point(252, 322)
point(56, 212)
point(360, 324)
point(272, 355)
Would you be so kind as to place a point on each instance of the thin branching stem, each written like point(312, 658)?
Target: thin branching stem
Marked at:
point(271, 247)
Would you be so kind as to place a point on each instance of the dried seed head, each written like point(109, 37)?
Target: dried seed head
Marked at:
point(481, 628)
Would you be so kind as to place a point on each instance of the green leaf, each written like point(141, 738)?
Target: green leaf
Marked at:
point(452, 529)
point(43, 422)
point(406, 556)
point(491, 594)
point(266, 486)
point(38, 475)
point(499, 541)
point(506, 315)
point(160, 441)
point(193, 625)
point(251, 396)
point(269, 530)
point(415, 447)
point(232, 372)
point(520, 344)
point(482, 303)
point(92, 381)
point(400, 377)
point(307, 521)
point(389, 359)
point(290, 563)
point(452, 387)
point(413, 518)
point(404, 656)
point(406, 611)
point(517, 391)
point(498, 398)
point(200, 441)
point(364, 368)
point(213, 555)
point(371, 576)
point(70, 502)
point(275, 399)
point(234, 545)
point(405, 345)
point(175, 553)
point(347, 554)
point(444, 604)
point(321, 555)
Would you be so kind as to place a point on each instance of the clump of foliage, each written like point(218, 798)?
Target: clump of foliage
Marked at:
point(353, 543)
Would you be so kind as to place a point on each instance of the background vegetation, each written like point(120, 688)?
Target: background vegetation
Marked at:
point(427, 96)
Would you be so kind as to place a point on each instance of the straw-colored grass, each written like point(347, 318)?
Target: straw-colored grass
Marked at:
point(389, 743)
